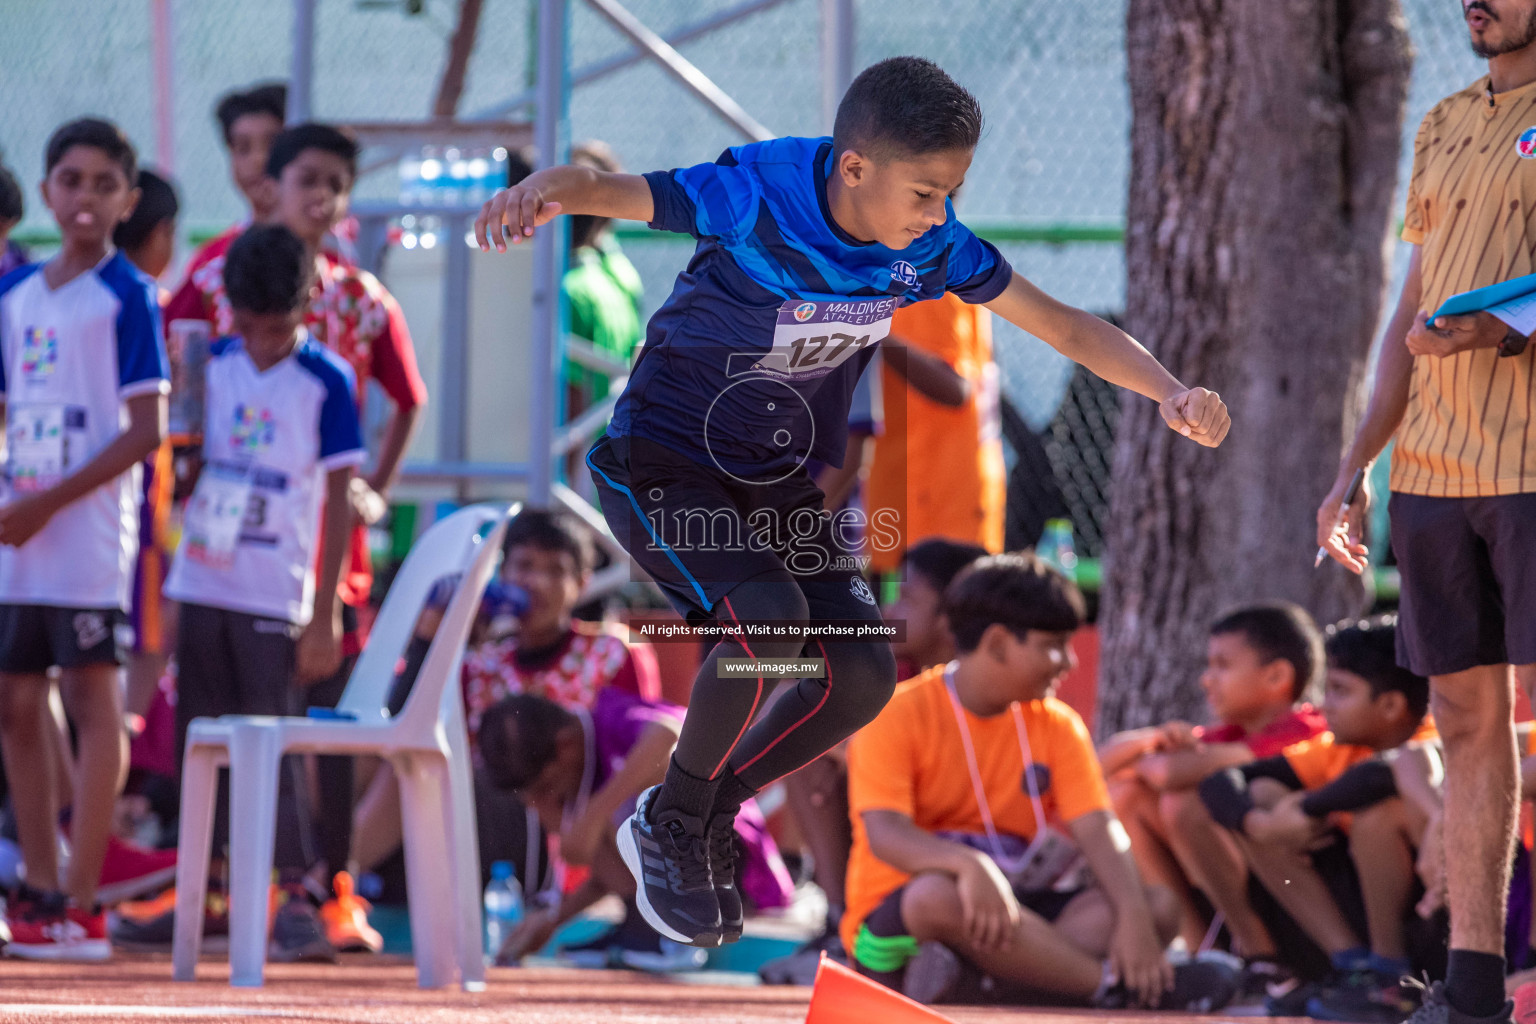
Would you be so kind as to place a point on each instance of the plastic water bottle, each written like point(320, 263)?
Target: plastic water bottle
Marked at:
point(503, 907)
point(1056, 547)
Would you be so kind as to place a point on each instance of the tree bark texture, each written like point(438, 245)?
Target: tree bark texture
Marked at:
point(1265, 138)
point(460, 48)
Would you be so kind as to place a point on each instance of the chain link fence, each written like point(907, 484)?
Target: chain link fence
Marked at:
point(1048, 184)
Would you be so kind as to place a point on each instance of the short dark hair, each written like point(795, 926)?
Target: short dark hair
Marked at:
point(98, 134)
point(512, 761)
point(267, 98)
point(1368, 648)
point(268, 270)
point(939, 560)
point(311, 135)
point(12, 205)
point(551, 531)
point(906, 106)
point(1279, 631)
point(157, 204)
point(1017, 590)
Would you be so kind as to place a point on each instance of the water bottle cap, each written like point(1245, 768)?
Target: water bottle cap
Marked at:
point(501, 871)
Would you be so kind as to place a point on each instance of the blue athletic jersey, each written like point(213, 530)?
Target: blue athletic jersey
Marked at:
point(751, 363)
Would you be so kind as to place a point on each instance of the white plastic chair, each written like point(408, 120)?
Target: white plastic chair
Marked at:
point(426, 743)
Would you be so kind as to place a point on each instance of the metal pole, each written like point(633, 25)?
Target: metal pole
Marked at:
point(301, 77)
point(679, 67)
point(549, 135)
point(838, 39)
point(453, 388)
point(165, 118)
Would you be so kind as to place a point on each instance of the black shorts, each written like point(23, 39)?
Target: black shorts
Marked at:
point(1469, 581)
point(700, 532)
point(37, 637)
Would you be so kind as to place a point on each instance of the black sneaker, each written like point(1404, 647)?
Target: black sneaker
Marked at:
point(799, 967)
point(1205, 982)
point(722, 868)
point(1264, 978)
point(673, 885)
point(1368, 997)
point(1435, 1010)
point(297, 934)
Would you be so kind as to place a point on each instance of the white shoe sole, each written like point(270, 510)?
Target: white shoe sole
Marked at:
point(91, 951)
point(631, 854)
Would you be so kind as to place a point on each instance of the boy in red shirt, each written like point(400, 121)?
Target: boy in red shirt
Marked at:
point(1261, 662)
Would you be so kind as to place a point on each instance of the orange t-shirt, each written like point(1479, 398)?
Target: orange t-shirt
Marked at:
point(912, 759)
point(940, 468)
point(1320, 760)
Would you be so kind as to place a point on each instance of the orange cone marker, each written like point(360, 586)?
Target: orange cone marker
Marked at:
point(842, 996)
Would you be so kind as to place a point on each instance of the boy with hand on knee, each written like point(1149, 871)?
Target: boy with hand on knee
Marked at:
point(84, 380)
point(1261, 662)
point(978, 804)
point(1326, 813)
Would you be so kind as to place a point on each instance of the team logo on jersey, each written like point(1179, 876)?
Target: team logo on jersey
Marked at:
point(1525, 145)
point(861, 590)
point(253, 429)
point(904, 272)
point(39, 353)
point(805, 311)
point(1040, 775)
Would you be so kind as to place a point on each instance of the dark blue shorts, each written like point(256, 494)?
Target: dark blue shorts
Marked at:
point(699, 532)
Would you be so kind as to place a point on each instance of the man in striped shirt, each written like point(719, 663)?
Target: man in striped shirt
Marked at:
point(1459, 393)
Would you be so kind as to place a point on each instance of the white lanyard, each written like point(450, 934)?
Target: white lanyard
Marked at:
point(975, 768)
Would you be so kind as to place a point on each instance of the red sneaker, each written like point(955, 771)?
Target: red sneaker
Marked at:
point(130, 871)
point(50, 931)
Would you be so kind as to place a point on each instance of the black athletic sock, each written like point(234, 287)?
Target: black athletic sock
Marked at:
point(686, 793)
point(1474, 983)
point(731, 792)
point(885, 945)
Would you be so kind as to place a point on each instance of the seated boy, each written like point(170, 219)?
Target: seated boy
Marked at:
point(818, 793)
point(1289, 815)
point(977, 800)
point(527, 640)
point(281, 439)
point(1261, 662)
point(582, 771)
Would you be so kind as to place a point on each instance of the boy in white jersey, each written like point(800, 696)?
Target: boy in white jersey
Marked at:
point(281, 438)
point(84, 381)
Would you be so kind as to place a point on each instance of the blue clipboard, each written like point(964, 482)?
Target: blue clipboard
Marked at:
point(1486, 298)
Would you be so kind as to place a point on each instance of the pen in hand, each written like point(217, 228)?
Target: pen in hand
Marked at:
point(1350, 494)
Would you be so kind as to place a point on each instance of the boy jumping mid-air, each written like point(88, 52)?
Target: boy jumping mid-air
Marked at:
point(806, 248)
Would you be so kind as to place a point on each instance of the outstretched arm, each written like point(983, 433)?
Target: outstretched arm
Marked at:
point(1196, 413)
point(514, 212)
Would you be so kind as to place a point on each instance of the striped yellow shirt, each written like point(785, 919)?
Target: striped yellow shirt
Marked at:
point(1471, 203)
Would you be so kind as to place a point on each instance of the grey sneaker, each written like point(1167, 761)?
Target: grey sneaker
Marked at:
point(722, 867)
point(1204, 982)
point(297, 934)
point(1436, 1010)
point(673, 885)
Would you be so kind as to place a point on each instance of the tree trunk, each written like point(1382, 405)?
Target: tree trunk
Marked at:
point(451, 86)
point(1264, 138)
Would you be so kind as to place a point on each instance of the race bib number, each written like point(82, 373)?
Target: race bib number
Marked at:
point(216, 514)
point(38, 447)
point(811, 339)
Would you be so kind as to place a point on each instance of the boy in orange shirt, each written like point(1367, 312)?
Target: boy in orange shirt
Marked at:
point(977, 803)
point(1325, 813)
point(1261, 661)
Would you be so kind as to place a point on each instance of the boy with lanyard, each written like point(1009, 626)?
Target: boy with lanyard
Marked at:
point(84, 379)
point(281, 439)
point(806, 247)
point(1320, 827)
point(1261, 662)
point(977, 802)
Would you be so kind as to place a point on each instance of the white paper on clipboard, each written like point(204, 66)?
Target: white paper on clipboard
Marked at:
point(1518, 313)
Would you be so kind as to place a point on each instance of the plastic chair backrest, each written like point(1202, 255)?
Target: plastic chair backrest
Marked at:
point(446, 547)
point(437, 694)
